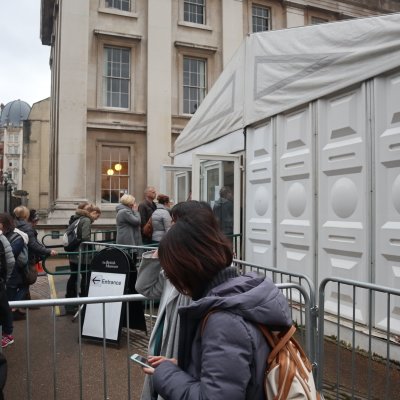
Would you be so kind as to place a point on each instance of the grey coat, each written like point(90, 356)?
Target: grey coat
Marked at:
point(84, 235)
point(151, 282)
point(8, 256)
point(228, 359)
point(161, 220)
point(128, 226)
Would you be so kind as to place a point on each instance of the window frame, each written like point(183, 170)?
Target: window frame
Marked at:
point(260, 6)
point(99, 172)
point(205, 19)
point(197, 88)
point(119, 9)
point(187, 50)
point(323, 18)
point(120, 79)
point(109, 39)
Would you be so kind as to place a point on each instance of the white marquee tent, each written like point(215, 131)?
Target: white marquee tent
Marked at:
point(277, 70)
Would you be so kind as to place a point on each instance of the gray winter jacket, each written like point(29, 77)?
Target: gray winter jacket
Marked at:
point(152, 283)
point(84, 234)
point(8, 256)
point(228, 359)
point(128, 226)
point(161, 220)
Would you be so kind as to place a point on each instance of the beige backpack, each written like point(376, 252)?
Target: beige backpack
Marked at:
point(289, 371)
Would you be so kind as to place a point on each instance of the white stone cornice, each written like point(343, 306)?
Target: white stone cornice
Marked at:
point(118, 35)
point(208, 49)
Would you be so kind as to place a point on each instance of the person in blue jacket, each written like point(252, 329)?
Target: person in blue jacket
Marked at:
point(224, 358)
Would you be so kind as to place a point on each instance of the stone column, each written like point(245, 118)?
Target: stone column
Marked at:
point(159, 72)
point(232, 33)
point(68, 183)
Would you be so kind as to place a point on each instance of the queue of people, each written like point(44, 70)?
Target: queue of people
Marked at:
point(20, 250)
point(205, 342)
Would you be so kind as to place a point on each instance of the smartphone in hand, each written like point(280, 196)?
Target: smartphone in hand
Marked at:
point(142, 361)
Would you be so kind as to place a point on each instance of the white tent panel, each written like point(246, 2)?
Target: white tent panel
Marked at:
point(295, 191)
point(275, 71)
point(260, 231)
point(289, 67)
point(387, 181)
point(344, 195)
point(229, 144)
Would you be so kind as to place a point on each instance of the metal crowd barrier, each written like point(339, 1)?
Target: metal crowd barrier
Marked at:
point(304, 309)
point(363, 326)
point(59, 364)
point(361, 335)
point(100, 236)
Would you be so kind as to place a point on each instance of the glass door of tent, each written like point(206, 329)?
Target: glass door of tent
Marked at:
point(176, 182)
point(216, 180)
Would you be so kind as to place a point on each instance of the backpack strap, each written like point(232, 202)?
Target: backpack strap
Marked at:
point(276, 342)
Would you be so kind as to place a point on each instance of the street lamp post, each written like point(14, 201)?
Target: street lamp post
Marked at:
point(5, 182)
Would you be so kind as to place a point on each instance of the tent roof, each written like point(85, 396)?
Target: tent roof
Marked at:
point(275, 71)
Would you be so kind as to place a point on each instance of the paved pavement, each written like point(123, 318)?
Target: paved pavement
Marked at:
point(66, 359)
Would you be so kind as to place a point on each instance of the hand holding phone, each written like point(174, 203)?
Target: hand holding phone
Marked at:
point(142, 361)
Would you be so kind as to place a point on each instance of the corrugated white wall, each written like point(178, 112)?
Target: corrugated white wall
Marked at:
point(323, 192)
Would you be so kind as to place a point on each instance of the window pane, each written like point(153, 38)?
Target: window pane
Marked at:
point(194, 84)
point(261, 18)
point(124, 5)
point(114, 173)
point(317, 20)
point(194, 11)
point(116, 77)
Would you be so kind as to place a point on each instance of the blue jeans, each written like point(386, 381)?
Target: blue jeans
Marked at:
point(17, 293)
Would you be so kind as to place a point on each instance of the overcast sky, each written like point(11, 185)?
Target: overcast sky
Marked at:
point(24, 61)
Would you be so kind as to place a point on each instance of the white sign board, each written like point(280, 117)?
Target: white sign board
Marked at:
point(104, 284)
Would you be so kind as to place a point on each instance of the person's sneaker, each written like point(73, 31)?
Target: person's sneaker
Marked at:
point(6, 340)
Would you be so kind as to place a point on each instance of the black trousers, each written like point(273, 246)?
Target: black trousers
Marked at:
point(73, 280)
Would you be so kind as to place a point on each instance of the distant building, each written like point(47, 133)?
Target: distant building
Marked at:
point(13, 116)
point(35, 177)
point(127, 75)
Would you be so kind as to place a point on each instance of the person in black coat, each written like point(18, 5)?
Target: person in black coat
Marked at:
point(146, 209)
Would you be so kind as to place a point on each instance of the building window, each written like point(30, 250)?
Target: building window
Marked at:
point(13, 149)
point(116, 79)
point(13, 138)
point(318, 20)
point(114, 173)
point(261, 17)
point(194, 11)
point(123, 5)
point(194, 83)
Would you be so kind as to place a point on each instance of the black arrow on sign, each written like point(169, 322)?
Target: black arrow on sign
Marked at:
point(95, 280)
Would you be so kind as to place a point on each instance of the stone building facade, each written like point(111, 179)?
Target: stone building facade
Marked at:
point(128, 74)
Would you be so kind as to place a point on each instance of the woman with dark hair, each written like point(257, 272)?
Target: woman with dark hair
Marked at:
point(151, 282)
point(17, 288)
point(224, 358)
point(161, 218)
point(7, 262)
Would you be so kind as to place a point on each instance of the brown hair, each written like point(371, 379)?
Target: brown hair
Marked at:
point(163, 199)
point(189, 208)
point(193, 251)
point(82, 205)
point(8, 222)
